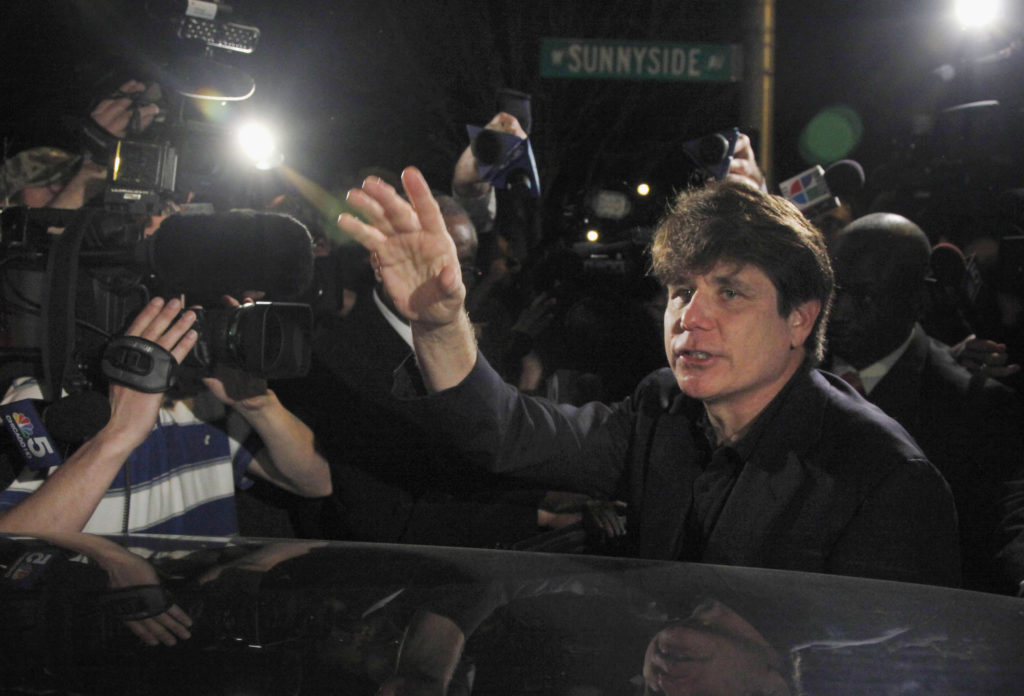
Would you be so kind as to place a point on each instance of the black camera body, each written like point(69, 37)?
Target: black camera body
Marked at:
point(140, 174)
point(266, 339)
point(67, 296)
point(713, 152)
point(175, 156)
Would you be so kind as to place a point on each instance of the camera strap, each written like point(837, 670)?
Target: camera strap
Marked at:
point(139, 364)
point(58, 305)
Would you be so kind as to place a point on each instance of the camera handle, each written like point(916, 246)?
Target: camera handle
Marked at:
point(141, 364)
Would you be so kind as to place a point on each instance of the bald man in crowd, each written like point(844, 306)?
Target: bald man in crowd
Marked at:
point(968, 426)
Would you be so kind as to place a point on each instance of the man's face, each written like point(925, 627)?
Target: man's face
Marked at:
point(464, 235)
point(716, 655)
point(725, 341)
point(874, 309)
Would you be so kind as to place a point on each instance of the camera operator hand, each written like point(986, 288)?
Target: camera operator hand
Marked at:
point(234, 387)
point(69, 496)
point(86, 183)
point(133, 413)
point(290, 459)
point(115, 113)
point(466, 181)
point(744, 165)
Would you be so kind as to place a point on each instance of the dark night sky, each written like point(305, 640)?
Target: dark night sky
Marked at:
point(392, 83)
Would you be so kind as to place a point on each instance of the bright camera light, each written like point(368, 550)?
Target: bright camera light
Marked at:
point(259, 145)
point(643, 189)
point(593, 235)
point(973, 14)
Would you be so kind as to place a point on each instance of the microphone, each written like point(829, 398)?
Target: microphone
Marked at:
point(227, 253)
point(844, 177)
point(504, 160)
point(77, 417)
point(816, 191)
point(517, 103)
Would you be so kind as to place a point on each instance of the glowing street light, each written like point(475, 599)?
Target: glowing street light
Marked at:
point(593, 235)
point(643, 189)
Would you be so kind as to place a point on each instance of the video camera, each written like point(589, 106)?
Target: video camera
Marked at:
point(176, 155)
point(73, 279)
point(503, 159)
point(181, 151)
point(713, 152)
point(66, 295)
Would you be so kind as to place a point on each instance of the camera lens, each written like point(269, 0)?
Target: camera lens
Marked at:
point(487, 147)
point(713, 149)
point(273, 340)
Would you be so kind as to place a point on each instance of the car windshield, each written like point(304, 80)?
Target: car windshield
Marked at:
point(311, 617)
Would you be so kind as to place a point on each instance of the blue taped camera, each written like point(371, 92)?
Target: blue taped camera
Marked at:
point(504, 160)
point(713, 152)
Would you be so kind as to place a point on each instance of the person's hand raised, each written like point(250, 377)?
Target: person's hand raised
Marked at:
point(743, 166)
point(410, 248)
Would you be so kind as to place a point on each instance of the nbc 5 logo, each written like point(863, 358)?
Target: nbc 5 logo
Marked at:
point(38, 446)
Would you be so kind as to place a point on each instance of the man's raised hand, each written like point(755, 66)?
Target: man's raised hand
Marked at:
point(410, 248)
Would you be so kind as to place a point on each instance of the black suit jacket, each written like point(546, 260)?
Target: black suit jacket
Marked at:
point(970, 429)
point(833, 486)
point(393, 480)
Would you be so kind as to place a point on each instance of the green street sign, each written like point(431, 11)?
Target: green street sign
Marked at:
point(596, 59)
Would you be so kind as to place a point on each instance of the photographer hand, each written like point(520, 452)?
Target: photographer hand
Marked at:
point(289, 458)
point(744, 165)
point(86, 183)
point(232, 386)
point(69, 496)
point(133, 413)
point(466, 180)
point(115, 113)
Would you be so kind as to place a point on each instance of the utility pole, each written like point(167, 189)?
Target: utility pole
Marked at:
point(757, 103)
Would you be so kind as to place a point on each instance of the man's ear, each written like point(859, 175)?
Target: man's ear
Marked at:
point(801, 321)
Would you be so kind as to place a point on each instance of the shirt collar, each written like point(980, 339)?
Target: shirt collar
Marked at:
point(871, 375)
point(401, 327)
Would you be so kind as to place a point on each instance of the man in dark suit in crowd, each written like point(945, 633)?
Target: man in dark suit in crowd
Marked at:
point(967, 425)
point(739, 452)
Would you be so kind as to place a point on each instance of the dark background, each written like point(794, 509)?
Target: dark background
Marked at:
point(353, 85)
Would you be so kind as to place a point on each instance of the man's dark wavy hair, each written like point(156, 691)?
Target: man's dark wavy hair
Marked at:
point(733, 222)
